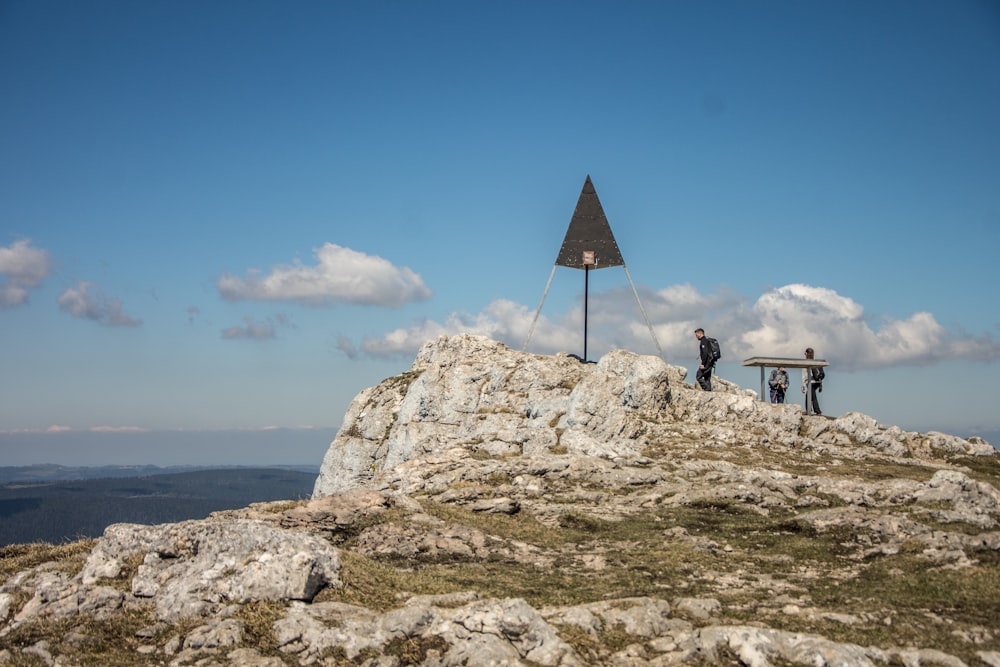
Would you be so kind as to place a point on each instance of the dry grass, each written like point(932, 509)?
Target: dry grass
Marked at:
point(258, 624)
point(82, 640)
point(819, 570)
point(71, 556)
point(755, 564)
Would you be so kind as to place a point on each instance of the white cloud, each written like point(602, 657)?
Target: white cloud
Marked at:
point(251, 330)
point(341, 275)
point(23, 267)
point(501, 320)
point(88, 301)
point(614, 320)
point(781, 322)
point(346, 345)
point(788, 319)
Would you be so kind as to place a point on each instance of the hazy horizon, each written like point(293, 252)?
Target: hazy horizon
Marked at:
point(234, 447)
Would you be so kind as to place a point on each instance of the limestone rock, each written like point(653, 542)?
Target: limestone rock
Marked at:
point(762, 647)
point(480, 632)
point(477, 394)
point(192, 567)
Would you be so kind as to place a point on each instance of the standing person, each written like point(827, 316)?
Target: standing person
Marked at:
point(704, 374)
point(812, 383)
point(778, 384)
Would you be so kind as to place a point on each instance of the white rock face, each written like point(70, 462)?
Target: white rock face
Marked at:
point(476, 394)
point(194, 567)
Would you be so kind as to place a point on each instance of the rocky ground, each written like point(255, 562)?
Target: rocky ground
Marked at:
point(490, 507)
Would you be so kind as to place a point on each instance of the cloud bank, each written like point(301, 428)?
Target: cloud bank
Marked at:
point(787, 318)
point(781, 322)
point(89, 302)
point(340, 275)
point(22, 267)
point(254, 330)
point(251, 330)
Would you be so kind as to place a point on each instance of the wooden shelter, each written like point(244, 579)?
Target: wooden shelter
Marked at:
point(782, 362)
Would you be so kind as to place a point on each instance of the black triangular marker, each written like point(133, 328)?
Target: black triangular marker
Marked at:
point(589, 232)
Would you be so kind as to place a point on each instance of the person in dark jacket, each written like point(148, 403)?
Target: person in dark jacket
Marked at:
point(704, 374)
point(812, 383)
point(778, 384)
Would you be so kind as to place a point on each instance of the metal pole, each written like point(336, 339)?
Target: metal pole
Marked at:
point(586, 287)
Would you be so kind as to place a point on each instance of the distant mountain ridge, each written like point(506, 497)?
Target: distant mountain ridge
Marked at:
point(51, 472)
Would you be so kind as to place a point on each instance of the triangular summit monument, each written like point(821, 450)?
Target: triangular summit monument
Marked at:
point(589, 244)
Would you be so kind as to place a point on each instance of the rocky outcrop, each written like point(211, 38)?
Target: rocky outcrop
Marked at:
point(479, 395)
point(663, 525)
point(475, 393)
point(189, 570)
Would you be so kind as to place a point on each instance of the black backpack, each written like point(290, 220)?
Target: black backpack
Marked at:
point(716, 350)
point(819, 374)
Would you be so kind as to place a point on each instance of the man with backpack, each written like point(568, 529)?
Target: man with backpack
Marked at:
point(708, 350)
point(812, 383)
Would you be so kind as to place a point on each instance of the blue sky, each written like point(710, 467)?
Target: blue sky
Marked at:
point(236, 215)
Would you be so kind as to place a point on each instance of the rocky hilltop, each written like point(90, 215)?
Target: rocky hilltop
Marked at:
point(493, 507)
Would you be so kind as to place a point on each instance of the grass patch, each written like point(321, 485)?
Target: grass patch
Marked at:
point(498, 479)
point(258, 624)
point(639, 562)
point(970, 595)
point(521, 526)
point(401, 383)
point(582, 523)
point(110, 643)
point(15, 558)
point(916, 600)
point(367, 583)
point(761, 542)
point(278, 506)
point(981, 468)
point(414, 650)
point(129, 569)
point(346, 535)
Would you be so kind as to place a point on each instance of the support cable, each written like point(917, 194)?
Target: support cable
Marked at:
point(643, 310)
point(534, 320)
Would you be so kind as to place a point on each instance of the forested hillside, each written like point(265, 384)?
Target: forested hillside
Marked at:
point(68, 510)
